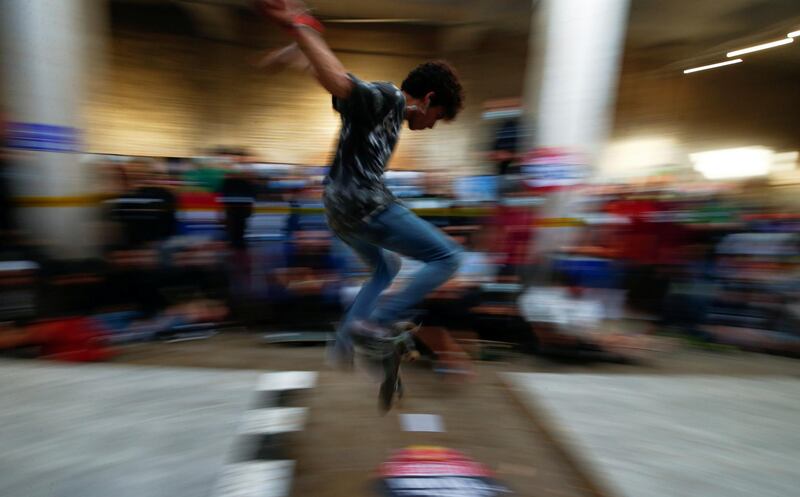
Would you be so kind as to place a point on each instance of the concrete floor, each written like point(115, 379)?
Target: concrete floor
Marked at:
point(99, 430)
point(246, 351)
point(71, 432)
point(649, 436)
point(346, 439)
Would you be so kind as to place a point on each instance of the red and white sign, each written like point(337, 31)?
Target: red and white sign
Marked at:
point(436, 472)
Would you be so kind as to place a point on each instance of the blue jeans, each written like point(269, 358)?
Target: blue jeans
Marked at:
point(398, 230)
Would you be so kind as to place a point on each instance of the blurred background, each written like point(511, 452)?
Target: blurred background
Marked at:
point(624, 178)
point(140, 138)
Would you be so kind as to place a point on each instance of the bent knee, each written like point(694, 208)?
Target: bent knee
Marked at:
point(393, 264)
point(452, 261)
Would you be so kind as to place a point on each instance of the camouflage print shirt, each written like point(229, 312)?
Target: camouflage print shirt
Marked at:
point(371, 120)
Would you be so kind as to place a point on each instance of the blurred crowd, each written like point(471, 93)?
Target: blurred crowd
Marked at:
point(191, 246)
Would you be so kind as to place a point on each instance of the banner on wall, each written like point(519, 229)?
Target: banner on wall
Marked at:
point(553, 169)
point(43, 137)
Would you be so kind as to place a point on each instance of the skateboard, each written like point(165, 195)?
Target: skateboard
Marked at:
point(385, 354)
point(401, 347)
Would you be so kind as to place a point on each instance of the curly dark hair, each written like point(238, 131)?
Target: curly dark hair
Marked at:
point(440, 78)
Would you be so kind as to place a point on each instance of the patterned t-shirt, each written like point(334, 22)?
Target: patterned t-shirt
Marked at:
point(371, 120)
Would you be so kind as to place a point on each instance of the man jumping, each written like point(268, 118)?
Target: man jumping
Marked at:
point(359, 207)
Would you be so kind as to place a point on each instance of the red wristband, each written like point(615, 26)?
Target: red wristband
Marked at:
point(308, 21)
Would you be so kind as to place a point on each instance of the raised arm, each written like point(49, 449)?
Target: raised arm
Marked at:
point(292, 16)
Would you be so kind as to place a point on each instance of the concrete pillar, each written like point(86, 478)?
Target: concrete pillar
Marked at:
point(46, 47)
point(571, 83)
point(573, 68)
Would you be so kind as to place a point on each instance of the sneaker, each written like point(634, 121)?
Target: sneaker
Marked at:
point(404, 331)
point(372, 339)
point(406, 327)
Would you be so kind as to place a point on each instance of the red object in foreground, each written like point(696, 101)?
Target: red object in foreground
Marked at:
point(436, 472)
point(76, 339)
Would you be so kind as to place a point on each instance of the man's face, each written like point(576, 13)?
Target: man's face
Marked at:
point(426, 120)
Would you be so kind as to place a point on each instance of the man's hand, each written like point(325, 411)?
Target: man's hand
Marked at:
point(282, 12)
point(329, 71)
point(289, 56)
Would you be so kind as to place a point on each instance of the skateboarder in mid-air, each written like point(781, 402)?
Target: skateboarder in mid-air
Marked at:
point(359, 207)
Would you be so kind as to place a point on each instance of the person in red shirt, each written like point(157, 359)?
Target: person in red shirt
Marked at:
point(74, 339)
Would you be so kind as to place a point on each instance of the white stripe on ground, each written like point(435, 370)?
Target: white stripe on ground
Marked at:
point(422, 422)
point(267, 478)
point(272, 420)
point(255, 479)
point(286, 380)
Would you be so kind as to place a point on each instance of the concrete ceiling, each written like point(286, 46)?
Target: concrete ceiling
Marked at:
point(441, 12)
point(680, 32)
point(671, 33)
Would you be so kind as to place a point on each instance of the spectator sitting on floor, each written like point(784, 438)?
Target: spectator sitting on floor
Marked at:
point(89, 338)
point(73, 339)
point(131, 326)
point(570, 312)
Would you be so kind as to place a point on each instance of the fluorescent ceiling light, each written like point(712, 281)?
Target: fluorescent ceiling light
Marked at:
point(794, 34)
point(712, 66)
point(763, 46)
point(733, 162)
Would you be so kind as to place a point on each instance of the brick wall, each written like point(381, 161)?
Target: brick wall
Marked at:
point(178, 95)
point(738, 106)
